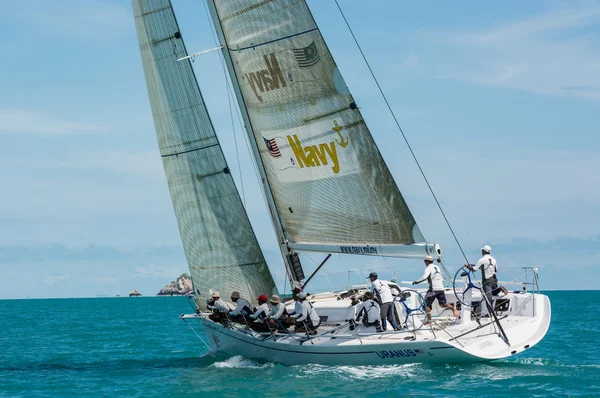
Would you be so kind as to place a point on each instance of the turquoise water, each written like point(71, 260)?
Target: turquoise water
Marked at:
point(138, 347)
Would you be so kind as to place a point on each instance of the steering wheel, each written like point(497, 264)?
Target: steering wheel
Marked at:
point(460, 294)
point(409, 310)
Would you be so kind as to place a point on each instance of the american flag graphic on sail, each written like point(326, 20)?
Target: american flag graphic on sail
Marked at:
point(272, 147)
point(307, 56)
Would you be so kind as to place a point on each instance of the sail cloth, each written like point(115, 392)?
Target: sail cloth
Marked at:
point(220, 246)
point(329, 181)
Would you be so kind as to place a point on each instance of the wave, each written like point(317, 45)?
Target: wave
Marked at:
point(239, 361)
point(362, 372)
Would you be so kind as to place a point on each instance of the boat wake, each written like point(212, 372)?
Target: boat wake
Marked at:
point(239, 361)
point(548, 363)
point(405, 371)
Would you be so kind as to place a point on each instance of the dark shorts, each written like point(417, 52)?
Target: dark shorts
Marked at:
point(431, 296)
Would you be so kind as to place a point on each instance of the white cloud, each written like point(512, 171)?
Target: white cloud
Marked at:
point(20, 121)
point(552, 53)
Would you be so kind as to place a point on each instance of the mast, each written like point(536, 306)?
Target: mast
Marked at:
point(221, 248)
point(291, 260)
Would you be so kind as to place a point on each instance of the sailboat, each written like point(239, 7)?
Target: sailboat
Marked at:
point(311, 147)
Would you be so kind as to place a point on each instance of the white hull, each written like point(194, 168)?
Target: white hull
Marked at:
point(525, 325)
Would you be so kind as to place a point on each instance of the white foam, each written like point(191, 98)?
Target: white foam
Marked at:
point(239, 361)
point(364, 372)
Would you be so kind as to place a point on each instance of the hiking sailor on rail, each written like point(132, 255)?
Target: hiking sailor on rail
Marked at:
point(307, 320)
point(260, 316)
point(277, 313)
point(433, 275)
point(243, 309)
point(217, 306)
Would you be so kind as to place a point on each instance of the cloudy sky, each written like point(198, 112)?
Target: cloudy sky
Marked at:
point(501, 104)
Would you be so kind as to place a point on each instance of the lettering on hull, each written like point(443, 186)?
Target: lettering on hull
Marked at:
point(398, 353)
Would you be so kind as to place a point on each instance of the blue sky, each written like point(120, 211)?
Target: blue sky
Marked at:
point(501, 105)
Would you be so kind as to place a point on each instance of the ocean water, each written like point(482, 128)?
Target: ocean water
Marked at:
point(138, 347)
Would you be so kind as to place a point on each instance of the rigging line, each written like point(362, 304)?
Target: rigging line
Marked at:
point(401, 131)
point(237, 151)
point(229, 99)
point(237, 110)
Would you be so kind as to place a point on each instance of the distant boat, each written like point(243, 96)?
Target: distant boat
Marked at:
point(327, 188)
point(134, 293)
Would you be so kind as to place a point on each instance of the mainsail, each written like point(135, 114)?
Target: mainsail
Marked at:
point(330, 185)
point(220, 246)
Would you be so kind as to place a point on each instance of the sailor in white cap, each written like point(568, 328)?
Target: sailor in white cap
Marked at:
point(489, 280)
point(307, 320)
point(218, 306)
point(433, 275)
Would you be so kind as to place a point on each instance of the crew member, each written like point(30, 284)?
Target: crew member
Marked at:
point(218, 307)
point(433, 275)
point(385, 298)
point(370, 312)
point(260, 316)
point(278, 314)
point(297, 308)
point(243, 309)
point(489, 280)
point(307, 320)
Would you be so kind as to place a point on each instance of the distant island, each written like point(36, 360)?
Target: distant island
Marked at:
point(179, 287)
point(134, 293)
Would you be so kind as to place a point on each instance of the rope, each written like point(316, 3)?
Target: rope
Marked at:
point(200, 337)
point(401, 131)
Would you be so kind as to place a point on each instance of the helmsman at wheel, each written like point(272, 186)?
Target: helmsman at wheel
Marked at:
point(489, 280)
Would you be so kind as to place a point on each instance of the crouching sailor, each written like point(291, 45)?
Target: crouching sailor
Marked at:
point(369, 311)
point(307, 320)
point(218, 307)
point(243, 309)
point(260, 316)
point(278, 314)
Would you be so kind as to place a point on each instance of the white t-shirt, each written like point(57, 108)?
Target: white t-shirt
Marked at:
point(220, 306)
point(297, 308)
point(488, 264)
point(382, 291)
point(277, 311)
point(372, 308)
point(307, 312)
point(241, 303)
point(262, 309)
point(433, 274)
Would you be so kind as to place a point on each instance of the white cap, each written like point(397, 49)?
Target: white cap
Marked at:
point(428, 258)
point(216, 294)
point(301, 295)
point(486, 249)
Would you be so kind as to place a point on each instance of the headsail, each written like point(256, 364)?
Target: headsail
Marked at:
point(329, 182)
point(221, 248)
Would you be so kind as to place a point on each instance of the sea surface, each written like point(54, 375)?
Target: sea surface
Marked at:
point(137, 347)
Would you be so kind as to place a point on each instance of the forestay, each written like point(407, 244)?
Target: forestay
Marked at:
point(221, 248)
point(329, 181)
